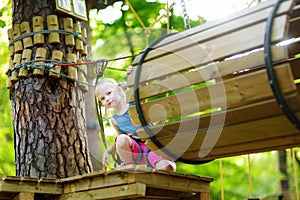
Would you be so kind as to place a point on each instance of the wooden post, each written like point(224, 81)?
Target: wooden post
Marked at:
point(38, 25)
point(16, 61)
point(72, 70)
point(40, 55)
point(26, 56)
point(78, 42)
point(52, 23)
point(24, 196)
point(27, 41)
point(17, 32)
point(56, 55)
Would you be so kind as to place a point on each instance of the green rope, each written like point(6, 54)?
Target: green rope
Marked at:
point(76, 34)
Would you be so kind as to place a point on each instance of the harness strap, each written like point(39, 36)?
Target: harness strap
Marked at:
point(139, 158)
point(147, 158)
point(141, 154)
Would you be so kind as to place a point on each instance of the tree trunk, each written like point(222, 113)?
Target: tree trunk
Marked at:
point(48, 111)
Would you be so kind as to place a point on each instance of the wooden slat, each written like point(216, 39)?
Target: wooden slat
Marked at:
point(234, 116)
point(285, 141)
point(231, 93)
point(199, 184)
point(184, 57)
point(255, 136)
point(159, 193)
point(206, 73)
point(100, 181)
point(117, 192)
point(30, 185)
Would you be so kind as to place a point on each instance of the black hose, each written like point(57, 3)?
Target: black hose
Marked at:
point(270, 69)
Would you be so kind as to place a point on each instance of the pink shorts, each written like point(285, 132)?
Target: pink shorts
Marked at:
point(152, 157)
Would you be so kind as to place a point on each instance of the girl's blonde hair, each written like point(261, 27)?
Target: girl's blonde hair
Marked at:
point(110, 81)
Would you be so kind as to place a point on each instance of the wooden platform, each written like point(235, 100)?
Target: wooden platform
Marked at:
point(130, 182)
point(207, 93)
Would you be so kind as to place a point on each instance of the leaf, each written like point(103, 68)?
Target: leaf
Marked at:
point(2, 24)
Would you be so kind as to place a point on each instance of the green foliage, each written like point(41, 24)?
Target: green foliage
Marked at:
point(264, 171)
point(126, 36)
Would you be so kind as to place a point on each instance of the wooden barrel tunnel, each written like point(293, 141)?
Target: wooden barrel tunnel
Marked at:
point(209, 93)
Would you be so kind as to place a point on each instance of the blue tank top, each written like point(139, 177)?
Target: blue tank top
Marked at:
point(125, 125)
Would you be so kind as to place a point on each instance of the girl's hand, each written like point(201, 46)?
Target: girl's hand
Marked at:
point(106, 159)
point(129, 70)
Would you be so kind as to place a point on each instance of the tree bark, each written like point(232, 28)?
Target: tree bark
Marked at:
point(48, 113)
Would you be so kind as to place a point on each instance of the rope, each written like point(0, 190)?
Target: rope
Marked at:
point(100, 69)
point(270, 69)
point(52, 64)
point(249, 175)
point(295, 174)
point(76, 34)
point(221, 180)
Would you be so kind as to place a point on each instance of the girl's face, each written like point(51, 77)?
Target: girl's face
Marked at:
point(109, 95)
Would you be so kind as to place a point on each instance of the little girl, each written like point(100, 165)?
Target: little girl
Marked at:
point(128, 145)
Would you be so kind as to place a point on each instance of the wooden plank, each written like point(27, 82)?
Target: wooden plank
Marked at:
point(171, 60)
point(30, 185)
point(183, 184)
point(96, 182)
point(239, 91)
point(280, 143)
point(254, 136)
point(234, 116)
point(117, 192)
point(206, 73)
point(160, 193)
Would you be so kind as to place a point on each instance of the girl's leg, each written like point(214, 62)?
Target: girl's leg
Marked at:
point(159, 162)
point(166, 165)
point(123, 147)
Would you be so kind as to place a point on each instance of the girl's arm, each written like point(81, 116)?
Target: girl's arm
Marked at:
point(114, 123)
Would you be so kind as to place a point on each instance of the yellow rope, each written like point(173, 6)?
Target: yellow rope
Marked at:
point(146, 30)
point(169, 7)
point(295, 174)
point(221, 180)
point(135, 14)
point(249, 173)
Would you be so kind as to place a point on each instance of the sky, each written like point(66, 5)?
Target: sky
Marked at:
point(209, 9)
point(212, 9)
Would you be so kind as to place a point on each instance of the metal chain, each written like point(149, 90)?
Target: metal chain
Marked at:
point(186, 18)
